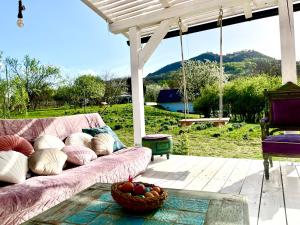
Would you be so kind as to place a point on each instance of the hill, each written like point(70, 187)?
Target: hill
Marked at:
point(234, 63)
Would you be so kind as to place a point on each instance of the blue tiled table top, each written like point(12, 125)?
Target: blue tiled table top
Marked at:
point(95, 206)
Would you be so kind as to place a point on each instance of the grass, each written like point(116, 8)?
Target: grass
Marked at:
point(235, 140)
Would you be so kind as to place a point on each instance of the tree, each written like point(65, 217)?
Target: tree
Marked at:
point(36, 78)
point(198, 75)
point(114, 87)
point(88, 88)
point(152, 92)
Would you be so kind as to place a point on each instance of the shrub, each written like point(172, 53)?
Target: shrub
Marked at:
point(182, 147)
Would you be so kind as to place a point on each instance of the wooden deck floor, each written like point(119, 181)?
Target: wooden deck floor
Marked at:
point(274, 202)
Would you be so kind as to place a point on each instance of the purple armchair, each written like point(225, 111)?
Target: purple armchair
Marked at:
point(283, 114)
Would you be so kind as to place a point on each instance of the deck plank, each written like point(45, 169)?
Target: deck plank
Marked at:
point(272, 210)
point(236, 180)
point(218, 181)
point(291, 188)
point(252, 189)
point(206, 175)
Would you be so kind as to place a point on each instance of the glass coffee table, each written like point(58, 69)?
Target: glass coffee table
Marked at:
point(95, 206)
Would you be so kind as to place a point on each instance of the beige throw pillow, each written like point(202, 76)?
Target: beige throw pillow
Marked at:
point(48, 141)
point(103, 144)
point(13, 167)
point(47, 161)
point(79, 139)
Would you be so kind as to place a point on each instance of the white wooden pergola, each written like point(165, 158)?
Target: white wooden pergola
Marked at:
point(137, 19)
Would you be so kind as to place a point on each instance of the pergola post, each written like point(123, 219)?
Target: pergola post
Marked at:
point(287, 41)
point(137, 86)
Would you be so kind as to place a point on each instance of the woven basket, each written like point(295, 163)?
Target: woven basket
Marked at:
point(136, 204)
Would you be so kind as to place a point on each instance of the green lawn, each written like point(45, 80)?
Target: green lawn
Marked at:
point(235, 140)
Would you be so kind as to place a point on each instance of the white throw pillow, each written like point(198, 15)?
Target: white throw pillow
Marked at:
point(103, 144)
point(47, 161)
point(48, 141)
point(79, 139)
point(13, 167)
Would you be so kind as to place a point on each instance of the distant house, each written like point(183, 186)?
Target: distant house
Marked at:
point(172, 100)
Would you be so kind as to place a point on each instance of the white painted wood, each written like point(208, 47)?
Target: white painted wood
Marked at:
point(248, 9)
point(204, 177)
point(188, 9)
point(272, 204)
point(291, 187)
point(137, 86)
point(218, 181)
point(165, 3)
point(154, 41)
point(287, 41)
point(97, 11)
point(194, 172)
point(236, 179)
point(252, 189)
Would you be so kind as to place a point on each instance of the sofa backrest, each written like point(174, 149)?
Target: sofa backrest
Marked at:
point(61, 127)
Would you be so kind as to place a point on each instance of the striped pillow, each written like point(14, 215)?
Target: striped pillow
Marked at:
point(16, 143)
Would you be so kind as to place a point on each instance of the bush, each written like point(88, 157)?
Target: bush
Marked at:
point(182, 147)
point(245, 96)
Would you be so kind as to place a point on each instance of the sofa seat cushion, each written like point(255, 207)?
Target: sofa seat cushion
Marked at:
point(285, 144)
point(38, 194)
point(16, 143)
point(79, 155)
point(13, 167)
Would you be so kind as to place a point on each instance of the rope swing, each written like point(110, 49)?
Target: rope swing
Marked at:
point(221, 75)
point(216, 121)
point(185, 96)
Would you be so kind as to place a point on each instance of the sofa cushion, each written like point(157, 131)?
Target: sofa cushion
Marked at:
point(103, 144)
point(13, 167)
point(47, 161)
point(106, 129)
point(79, 155)
point(79, 139)
point(48, 141)
point(286, 144)
point(16, 143)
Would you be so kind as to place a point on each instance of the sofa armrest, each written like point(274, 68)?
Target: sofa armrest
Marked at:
point(264, 124)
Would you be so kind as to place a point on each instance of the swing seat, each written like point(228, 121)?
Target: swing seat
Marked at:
point(217, 122)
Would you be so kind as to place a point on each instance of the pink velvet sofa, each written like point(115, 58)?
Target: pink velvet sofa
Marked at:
point(20, 202)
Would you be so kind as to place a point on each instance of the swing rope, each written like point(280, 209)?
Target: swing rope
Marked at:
point(185, 96)
point(221, 79)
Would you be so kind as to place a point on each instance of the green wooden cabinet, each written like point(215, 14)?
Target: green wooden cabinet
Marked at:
point(160, 144)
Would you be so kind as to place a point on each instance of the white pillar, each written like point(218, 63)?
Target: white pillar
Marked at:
point(287, 41)
point(137, 86)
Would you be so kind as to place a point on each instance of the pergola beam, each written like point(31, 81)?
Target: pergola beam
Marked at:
point(248, 9)
point(165, 3)
point(154, 41)
point(190, 8)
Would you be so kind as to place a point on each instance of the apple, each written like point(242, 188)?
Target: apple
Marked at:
point(157, 189)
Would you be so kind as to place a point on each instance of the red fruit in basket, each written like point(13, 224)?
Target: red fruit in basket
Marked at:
point(157, 189)
point(127, 187)
point(149, 195)
point(139, 189)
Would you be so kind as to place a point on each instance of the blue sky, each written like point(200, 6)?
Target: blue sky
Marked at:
point(68, 34)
